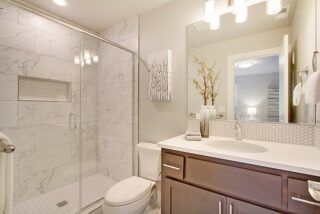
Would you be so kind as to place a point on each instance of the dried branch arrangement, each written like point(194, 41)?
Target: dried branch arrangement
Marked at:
point(207, 81)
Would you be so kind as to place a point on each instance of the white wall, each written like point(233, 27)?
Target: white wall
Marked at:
point(165, 28)
point(303, 43)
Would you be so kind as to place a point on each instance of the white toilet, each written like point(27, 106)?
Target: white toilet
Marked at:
point(133, 194)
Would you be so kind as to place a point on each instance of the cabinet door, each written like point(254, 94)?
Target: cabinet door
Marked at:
point(180, 198)
point(239, 207)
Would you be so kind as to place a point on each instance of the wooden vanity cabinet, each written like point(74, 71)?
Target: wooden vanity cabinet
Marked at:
point(193, 184)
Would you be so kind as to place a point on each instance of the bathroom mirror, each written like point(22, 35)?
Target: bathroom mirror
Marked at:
point(253, 67)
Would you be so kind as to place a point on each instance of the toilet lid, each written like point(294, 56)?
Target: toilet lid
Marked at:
point(128, 191)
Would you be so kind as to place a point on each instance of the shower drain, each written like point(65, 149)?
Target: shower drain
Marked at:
point(62, 203)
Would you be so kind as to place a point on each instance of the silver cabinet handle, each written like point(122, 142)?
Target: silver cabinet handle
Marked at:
point(220, 207)
point(305, 201)
point(72, 121)
point(171, 167)
point(230, 209)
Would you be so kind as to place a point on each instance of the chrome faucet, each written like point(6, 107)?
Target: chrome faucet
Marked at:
point(238, 128)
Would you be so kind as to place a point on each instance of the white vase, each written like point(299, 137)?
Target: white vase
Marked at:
point(204, 121)
point(212, 112)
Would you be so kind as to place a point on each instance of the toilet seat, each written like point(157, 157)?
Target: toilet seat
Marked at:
point(128, 191)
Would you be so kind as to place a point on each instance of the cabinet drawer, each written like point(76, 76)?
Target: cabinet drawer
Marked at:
point(180, 198)
point(172, 165)
point(299, 198)
point(254, 186)
point(240, 207)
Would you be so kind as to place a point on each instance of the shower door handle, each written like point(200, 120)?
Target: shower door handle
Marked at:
point(72, 121)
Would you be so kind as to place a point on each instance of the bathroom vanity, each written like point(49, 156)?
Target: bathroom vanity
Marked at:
point(198, 177)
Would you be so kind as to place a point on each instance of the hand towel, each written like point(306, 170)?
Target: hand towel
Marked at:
point(6, 178)
point(193, 133)
point(193, 138)
point(312, 94)
point(297, 93)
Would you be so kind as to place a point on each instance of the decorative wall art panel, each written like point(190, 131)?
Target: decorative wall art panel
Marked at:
point(160, 76)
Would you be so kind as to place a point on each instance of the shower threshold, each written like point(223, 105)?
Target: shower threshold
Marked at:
point(93, 189)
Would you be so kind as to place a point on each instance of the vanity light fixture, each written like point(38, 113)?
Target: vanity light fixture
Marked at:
point(274, 6)
point(60, 2)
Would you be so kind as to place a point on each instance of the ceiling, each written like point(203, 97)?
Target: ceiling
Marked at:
point(258, 21)
point(97, 15)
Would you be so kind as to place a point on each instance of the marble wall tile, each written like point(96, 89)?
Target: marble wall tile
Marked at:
point(16, 36)
point(43, 159)
point(118, 171)
point(52, 68)
point(317, 137)
point(34, 113)
point(24, 188)
point(39, 23)
point(51, 134)
point(116, 112)
point(117, 72)
point(117, 152)
point(89, 93)
point(119, 132)
point(89, 168)
point(8, 87)
point(15, 61)
point(22, 137)
point(89, 75)
point(55, 46)
point(8, 114)
point(115, 92)
point(11, 11)
point(89, 112)
point(51, 179)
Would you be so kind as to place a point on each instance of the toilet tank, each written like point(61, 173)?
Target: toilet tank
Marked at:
point(149, 155)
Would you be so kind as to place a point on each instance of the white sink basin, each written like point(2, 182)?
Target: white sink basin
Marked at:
point(237, 146)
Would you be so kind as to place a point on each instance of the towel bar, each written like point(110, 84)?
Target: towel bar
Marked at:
point(6, 148)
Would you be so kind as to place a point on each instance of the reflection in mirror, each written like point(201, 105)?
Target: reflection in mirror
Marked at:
point(259, 67)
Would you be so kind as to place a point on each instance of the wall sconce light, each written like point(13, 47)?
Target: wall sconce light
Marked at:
point(87, 59)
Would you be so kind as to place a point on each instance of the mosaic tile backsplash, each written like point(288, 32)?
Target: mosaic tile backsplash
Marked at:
point(272, 132)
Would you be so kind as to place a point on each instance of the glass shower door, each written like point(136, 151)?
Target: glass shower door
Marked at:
point(39, 104)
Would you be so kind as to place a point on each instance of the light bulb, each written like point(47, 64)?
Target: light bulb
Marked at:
point(238, 6)
point(88, 61)
point(215, 22)
point(76, 60)
point(274, 6)
point(242, 15)
point(86, 54)
point(209, 10)
point(95, 59)
point(240, 10)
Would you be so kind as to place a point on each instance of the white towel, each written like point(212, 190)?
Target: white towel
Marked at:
point(312, 94)
point(193, 138)
point(297, 93)
point(193, 133)
point(6, 179)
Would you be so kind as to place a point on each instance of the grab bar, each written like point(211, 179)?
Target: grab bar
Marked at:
point(6, 148)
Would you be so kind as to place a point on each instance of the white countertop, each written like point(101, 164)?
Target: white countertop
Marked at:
point(294, 158)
